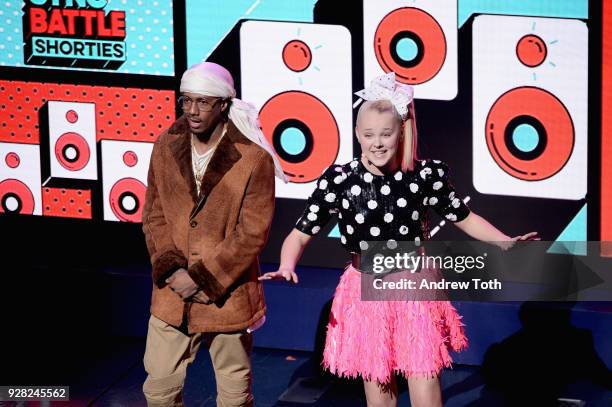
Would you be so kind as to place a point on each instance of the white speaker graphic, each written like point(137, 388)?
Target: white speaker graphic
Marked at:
point(72, 140)
point(20, 179)
point(416, 39)
point(530, 89)
point(125, 166)
point(299, 76)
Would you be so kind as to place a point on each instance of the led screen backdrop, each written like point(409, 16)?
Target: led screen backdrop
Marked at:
point(506, 93)
point(501, 94)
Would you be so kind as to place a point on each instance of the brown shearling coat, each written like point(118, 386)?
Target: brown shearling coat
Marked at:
point(216, 236)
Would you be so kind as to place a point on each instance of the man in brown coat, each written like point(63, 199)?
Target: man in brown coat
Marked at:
point(208, 209)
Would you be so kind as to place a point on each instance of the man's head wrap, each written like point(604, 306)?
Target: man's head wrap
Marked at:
point(210, 79)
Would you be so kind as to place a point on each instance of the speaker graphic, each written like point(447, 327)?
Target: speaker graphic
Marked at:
point(299, 76)
point(416, 39)
point(72, 140)
point(530, 83)
point(20, 180)
point(125, 165)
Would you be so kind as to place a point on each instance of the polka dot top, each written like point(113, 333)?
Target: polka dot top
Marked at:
point(388, 207)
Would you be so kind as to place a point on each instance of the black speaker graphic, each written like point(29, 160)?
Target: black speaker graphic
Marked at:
point(125, 165)
point(20, 179)
point(530, 79)
point(415, 39)
point(299, 76)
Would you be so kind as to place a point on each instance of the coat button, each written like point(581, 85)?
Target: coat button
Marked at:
point(193, 223)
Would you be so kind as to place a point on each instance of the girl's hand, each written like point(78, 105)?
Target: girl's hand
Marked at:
point(288, 275)
point(510, 243)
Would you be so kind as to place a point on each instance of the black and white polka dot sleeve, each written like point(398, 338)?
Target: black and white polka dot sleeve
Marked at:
point(322, 203)
point(440, 193)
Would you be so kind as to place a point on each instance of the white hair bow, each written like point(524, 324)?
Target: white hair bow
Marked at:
point(385, 87)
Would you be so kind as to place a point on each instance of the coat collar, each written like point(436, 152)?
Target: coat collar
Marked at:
point(223, 159)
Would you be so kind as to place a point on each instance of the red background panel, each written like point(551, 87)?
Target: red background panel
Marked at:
point(606, 131)
point(66, 203)
point(129, 114)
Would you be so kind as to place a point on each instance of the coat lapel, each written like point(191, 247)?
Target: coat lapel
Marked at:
point(223, 159)
point(225, 156)
point(181, 151)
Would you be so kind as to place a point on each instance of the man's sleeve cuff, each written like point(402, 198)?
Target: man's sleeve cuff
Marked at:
point(206, 281)
point(166, 264)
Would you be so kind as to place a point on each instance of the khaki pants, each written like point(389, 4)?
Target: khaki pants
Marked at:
point(169, 351)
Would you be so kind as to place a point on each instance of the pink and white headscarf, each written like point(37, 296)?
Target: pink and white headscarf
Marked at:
point(210, 79)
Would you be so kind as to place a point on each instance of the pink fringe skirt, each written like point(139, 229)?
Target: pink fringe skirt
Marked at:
point(374, 339)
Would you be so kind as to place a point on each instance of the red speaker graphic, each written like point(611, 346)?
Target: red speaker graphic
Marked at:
point(72, 140)
point(299, 76)
point(20, 183)
point(530, 78)
point(125, 165)
point(417, 40)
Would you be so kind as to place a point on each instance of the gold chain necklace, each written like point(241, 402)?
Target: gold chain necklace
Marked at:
point(198, 171)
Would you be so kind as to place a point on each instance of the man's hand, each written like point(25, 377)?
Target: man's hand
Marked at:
point(181, 283)
point(202, 298)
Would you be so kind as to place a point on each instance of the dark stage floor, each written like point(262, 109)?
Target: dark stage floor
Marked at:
point(114, 378)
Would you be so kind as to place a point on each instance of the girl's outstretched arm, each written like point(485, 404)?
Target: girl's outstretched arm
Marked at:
point(479, 228)
point(292, 250)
